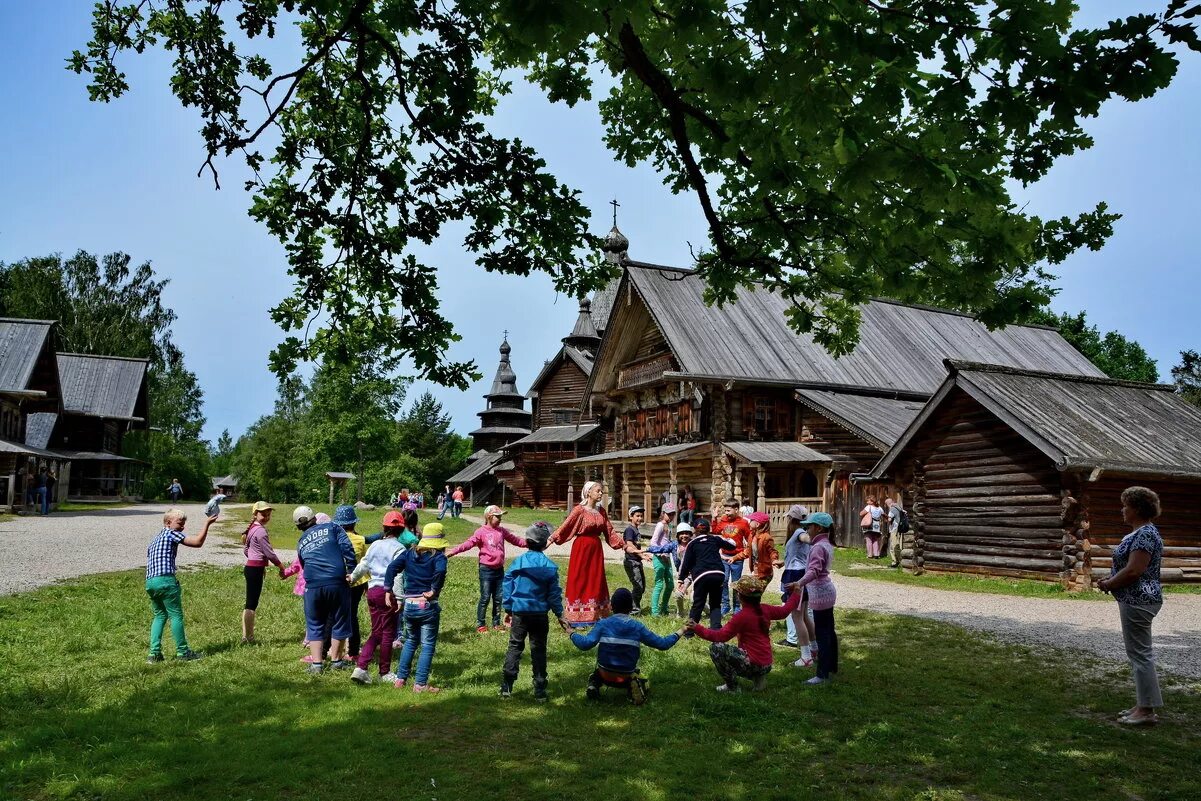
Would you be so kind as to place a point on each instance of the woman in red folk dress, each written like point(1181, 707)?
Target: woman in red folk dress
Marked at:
point(587, 591)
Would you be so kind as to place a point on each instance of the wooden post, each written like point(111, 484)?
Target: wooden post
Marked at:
point(331, 492)
point(646, 488)
point(607, 478)
point(673, 487)
point(570, 486)
point(761, 494)
point(717, 484)
point(625, 487)
point(737, 479)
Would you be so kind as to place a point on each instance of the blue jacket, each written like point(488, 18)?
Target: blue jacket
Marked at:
point(423, 572)
point(532, 585)
point(326, 554)
point(621, 638)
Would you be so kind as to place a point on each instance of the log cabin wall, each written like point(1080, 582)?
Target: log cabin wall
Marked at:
point(560, 399)
point(852, 454)
point(985, 500)
point(1102, 506)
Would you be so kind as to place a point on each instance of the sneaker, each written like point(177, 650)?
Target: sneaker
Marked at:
point(248, 641)
point(540, 692)
point(638, 690)
point(426, 688)
point(803, 663)
point(725, 688)
point(506, 690)
point(787, 643)
point(399, 684)
point(592, 693)
point(388, 678)
point(481, 629)
point(817, 680)
point(150, 660)
point(360, 676)
point(315, 669)
point(341, 664)
point(190, 655)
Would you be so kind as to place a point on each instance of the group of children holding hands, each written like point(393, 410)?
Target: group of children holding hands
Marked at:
point(401, 572)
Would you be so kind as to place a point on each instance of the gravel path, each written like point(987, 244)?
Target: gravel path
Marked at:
point(35, 551)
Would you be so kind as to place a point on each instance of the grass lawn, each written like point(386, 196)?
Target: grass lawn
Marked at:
point(284, 534)
point(854, 562)
point(75, 506)
point(920, 710)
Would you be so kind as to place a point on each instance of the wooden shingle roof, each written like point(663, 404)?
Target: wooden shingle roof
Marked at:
point(101, 386)
point(1081, 423)
point(880, 421)
point(901, 347)
point(21, 343)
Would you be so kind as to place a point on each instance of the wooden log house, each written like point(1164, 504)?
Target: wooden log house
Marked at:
point(733, 403)
point(1019, 473)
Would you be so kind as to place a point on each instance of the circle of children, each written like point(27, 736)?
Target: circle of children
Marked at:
point(401, 572)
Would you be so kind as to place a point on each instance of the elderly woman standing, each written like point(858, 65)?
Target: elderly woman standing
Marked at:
point(1134, 582)
point(587, 591)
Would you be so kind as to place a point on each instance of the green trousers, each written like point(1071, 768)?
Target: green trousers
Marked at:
point(166, 600)
point(664, 586)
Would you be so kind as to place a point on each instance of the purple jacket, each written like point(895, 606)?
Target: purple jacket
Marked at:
point(491, 542)
point(258, 548)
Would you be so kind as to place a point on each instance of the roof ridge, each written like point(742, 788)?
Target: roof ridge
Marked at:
point(27, 322)
point(105, 356)
point(956, 366)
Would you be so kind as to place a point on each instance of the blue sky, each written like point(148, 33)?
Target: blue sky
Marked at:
point(81, 175)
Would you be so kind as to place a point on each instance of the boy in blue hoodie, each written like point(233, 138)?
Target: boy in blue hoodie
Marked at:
point(328, 558)
point(621, 638)
point(530, 590)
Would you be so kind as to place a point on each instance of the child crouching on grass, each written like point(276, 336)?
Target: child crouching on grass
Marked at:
point(424, 569)
point(166, 599)
point(620, 637)
point(751, 658)
point(530, 590)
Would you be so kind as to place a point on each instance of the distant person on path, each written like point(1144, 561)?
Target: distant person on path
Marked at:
point(42, 493)
point(256, 545)
point(175, 490)
point(51, 483)
point(490, 538)
point(733, 527)
point(634, 557)
point(424, 569)
point(374, 567)
point(445, 502)
point(457, 497)
point(327, 557)
point(166, 597)
point(1134, 582)
point(531, 590)
point(822, 593)
point(870, 522)
point(751, 658)
point(898, 524)
point(588, 525)
point(703, 568)
point(801, 631)
point(346, 517)
point(661, 548)
point(621, 638)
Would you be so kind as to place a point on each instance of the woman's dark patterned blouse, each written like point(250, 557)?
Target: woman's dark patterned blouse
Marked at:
point(1146, 589)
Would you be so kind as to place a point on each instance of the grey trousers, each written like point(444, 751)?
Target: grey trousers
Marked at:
point(1136, 632)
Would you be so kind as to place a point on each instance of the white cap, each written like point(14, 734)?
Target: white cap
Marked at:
point(686, 528)
point(303, 514)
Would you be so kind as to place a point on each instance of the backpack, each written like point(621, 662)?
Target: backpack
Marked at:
point(903, 523)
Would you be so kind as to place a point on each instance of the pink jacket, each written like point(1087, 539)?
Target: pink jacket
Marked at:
point(258, 548)
point(491, 542)
point(822, 593)
point(296, 569)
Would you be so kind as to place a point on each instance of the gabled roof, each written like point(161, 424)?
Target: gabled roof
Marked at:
point(340, 476)
point(478, 468)
point(566, 353)
point(1080, 422)
point(880, 421)
point(102, 386)
point(29, 450)
point(21, 342)
point(636, 454)
point(775, 453)
point(901, 347)
point(547, 434)
point(224, 481)
point(38, 428)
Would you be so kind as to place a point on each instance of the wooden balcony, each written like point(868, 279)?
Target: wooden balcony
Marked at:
point(644, 372)
point(777, 509)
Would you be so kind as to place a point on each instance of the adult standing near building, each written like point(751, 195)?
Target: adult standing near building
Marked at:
point(895, 515)
point(175, 490)
point(587, 591)
point(661, 562)
point(457, 498)
point(733, 527)
point(51, 483)
point(1134, 582)
point(256, 545)
point(870, 523)
point(41, 493)
point(328, 558)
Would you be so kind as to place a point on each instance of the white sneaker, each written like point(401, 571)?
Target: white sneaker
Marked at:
point(725, 688)
point(361, 676)
point(388, 677)
point(816, 680)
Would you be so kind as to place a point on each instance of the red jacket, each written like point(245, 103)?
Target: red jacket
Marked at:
point(737, 530)
point(749, 630)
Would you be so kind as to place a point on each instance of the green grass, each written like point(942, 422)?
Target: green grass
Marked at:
point(284, 534)
point(520, 518)
point(75, 506)
point(854, 562)
point(921, 710)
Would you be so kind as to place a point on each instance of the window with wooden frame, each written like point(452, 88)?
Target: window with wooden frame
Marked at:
point(765, 416)
point(563, 417)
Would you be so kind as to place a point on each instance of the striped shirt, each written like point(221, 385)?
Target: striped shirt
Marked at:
point(160, 556)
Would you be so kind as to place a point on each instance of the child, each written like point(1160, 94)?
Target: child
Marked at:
point(531, 589)
point(683, 537)
point(662, 549)
point(297, 569)
point(163, 588)
point(346, 517)
point(424, 569)
point(374, 566)
point(704, 567)
point(796, 556)
point(327, 557)
point(213, 507)
point(822, 593)
point(490, 538)
point(751, 658)
point(762, 547)
point(617, 658)
point(632, 560)
point(256, 545)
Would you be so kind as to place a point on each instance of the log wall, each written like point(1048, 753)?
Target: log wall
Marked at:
point(985, 501)
point(563, 390)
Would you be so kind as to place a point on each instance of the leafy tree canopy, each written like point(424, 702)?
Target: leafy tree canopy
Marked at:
point(1114, 354)
point(1187, 376)
point(838, 149)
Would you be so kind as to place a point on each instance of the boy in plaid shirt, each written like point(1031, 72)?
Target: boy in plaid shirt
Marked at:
point(162, 586)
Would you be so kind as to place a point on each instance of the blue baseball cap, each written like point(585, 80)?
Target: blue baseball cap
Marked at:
point(818, 519)
point(345, 515)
